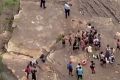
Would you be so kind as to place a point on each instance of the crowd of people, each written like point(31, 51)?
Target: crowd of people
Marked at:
point(81, 40)
point(31, 67)
point(79, 69)
point(31, 70)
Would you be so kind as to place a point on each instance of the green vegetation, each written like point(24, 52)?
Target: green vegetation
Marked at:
point(5, 73)
point(8, 8)
point(8, 4)
point(1, 68)
point(59, 38)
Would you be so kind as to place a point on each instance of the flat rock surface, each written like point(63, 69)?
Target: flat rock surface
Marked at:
point(36, 28)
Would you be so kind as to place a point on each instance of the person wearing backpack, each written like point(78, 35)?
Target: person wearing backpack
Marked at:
point(70, 68)
point(80, 73)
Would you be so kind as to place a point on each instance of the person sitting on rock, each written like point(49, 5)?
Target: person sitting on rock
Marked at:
point(108, 48)
point(89, 26)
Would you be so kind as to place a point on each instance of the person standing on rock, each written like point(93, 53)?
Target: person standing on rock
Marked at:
point(92, 66)
point(42, 4)
point(34, 70)
point(28, 71)
point(70, 68)
point(79, 65)
point(80, 73)
point(67, 10)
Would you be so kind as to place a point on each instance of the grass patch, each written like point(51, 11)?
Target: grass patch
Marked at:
point(8, 8)
point(8, 4)
point(59, 38)
point(1, 68)
point(5, 73)
point(1, 65)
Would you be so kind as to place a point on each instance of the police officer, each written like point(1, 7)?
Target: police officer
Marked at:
point(42, 4)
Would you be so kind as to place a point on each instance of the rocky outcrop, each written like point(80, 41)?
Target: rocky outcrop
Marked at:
point(37, 29)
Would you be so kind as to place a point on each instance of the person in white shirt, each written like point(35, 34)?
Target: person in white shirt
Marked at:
point(67, 10)
point(34, 62)
point(89, 49)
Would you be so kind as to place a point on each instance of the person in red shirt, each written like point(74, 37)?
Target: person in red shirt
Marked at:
point(28, 71)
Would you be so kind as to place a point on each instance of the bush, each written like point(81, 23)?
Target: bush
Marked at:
point(59, 38)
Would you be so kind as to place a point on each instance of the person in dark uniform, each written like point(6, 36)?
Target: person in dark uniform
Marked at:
point(42, 4)
point(34, 73)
